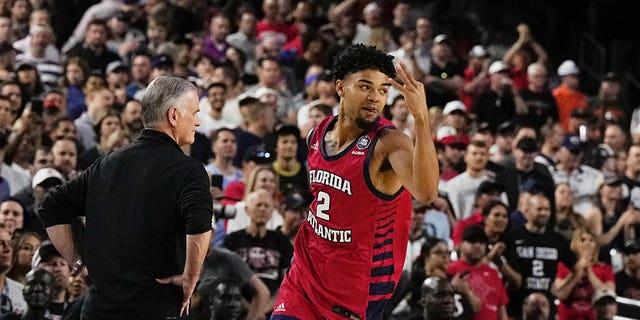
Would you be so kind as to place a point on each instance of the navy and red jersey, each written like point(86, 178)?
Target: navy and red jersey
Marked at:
point(349, 253)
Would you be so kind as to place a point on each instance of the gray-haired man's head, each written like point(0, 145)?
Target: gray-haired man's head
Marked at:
point(162, 94)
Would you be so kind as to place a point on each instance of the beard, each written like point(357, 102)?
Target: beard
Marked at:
point(364, 124)
point(541, 222)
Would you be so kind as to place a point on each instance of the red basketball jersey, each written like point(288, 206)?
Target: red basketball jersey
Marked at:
point(349, 253)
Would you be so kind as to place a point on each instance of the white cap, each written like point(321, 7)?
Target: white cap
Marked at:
point(567, 68)
point(440, 39)
point(112, 66)
point(263, 91)
point(601, 293)
point(453, 106)
point(445, 131)
point(40, 28)
point(44, 174)
point(478, 51)
point(498, 66)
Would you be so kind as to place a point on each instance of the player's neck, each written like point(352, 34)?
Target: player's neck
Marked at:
point(345, 131)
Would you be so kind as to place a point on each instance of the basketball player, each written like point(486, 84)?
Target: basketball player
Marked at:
point(350, 251)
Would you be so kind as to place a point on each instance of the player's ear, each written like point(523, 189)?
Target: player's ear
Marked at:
point(340, 87)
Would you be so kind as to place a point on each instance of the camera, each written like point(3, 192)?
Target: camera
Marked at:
point(224, 211)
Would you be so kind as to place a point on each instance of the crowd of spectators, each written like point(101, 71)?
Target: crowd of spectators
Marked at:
point(539, 203)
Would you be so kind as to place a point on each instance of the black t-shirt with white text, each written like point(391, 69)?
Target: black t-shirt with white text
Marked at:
point(537, 257)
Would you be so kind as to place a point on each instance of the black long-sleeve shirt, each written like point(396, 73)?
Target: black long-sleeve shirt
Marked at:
point(139, 203)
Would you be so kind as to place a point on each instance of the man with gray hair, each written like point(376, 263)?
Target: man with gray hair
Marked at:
point(148, 214)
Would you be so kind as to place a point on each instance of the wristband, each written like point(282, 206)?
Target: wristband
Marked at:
point(77, 267)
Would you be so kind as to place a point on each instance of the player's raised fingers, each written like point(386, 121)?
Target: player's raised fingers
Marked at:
point(405, 74)
point(398, 86)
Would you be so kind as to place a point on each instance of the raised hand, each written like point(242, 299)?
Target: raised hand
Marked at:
point(413, 92)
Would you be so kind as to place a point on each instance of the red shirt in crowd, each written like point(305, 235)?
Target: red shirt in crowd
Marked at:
point(486, 284)
point(578, 305)
point(473, 219)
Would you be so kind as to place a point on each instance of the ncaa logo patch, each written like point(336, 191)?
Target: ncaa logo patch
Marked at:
point(363, 142)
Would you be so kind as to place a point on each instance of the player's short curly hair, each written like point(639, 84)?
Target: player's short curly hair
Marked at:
point(360, 57)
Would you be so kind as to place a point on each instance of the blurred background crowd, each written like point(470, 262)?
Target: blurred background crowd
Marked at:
point(533, 112)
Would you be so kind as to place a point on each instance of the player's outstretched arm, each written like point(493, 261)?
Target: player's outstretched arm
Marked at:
point(415, 164)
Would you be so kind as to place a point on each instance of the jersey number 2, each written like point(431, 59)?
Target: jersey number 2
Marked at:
point(323, 204)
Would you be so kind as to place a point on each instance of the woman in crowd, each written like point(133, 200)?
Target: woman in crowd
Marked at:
point(608, 219)
point(567, 220)
point(23, 251)
point(495, 220)
point(575, 287)
point(104, 126)
point(262, 177)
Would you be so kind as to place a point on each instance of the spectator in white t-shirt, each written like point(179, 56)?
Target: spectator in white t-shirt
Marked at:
point(461, 189)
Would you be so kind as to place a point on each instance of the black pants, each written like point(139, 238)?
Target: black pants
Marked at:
point(158, 301)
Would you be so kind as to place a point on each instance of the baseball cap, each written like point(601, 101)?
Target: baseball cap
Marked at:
point(257, 154)
point(48, 176)
point(263, 91)
point(631, 246)
point(474, 233)
point(604, 295)
point(23, 64)
point(454, 106)
point(485, 127)
point(595, 157)
point(441, 38)
point(295, 202)
point(612, 76)
point(162, 61)
point(39, 28)
point(478, 51)
point(580, 113)
point(448, 135)
point(506, 128)
point(612, 180)
point(445, 131)
point(116, 66)
point(498, 66)
point(573, 143)
point(46, 253)
point(568, 68)
point(527, 144)
point(122, 16)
